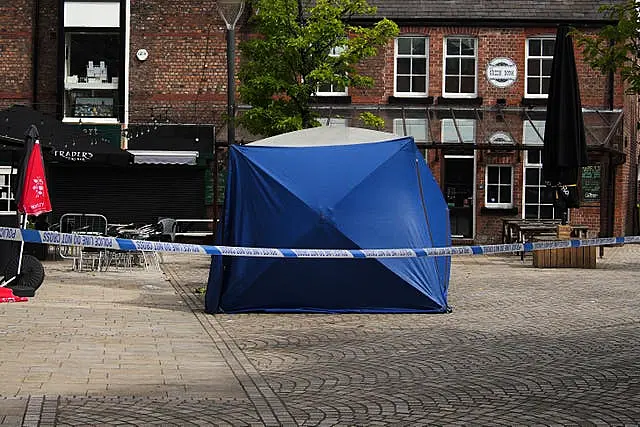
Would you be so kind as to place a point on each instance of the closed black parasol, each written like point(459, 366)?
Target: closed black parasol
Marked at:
point(565, 146)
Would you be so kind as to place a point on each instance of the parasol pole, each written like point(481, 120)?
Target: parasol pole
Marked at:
point(24, 225)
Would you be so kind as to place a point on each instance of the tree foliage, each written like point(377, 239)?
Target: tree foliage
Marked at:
point(289, 57)
point(615, 47)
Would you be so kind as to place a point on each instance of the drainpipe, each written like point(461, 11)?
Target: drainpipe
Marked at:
point(610, 95)
point(35, 34)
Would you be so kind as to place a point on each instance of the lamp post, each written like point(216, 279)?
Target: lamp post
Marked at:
point(231, 10)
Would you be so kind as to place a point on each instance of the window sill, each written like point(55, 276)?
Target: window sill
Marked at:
point(332, 99)
point(499, 211)
point(410, 100)
point(477, 101)
point(91, 120)
point(534, 102)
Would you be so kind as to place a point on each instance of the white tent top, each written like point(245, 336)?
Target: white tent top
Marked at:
point(326, 135)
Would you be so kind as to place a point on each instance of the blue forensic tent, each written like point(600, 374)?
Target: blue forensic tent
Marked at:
point(331, 188)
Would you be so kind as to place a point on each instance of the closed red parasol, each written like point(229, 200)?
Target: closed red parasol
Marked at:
point(34, 196)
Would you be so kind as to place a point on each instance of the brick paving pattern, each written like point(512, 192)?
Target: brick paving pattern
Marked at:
point(523, 346)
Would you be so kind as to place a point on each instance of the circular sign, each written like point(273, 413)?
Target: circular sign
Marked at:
point(142, 54)
point(502, 72)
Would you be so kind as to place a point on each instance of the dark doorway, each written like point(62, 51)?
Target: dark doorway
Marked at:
point(458, 192)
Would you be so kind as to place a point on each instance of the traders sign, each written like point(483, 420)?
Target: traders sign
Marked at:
point(502, 72)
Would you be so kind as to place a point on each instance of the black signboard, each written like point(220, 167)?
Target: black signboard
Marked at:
point(591, 183)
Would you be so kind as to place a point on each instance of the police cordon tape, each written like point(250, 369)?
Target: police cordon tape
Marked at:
point(115, 243)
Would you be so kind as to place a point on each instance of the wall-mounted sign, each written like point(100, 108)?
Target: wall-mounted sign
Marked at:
point(74, 156)
point(142, 54)
point(500, 138)
point(591, 183)
point(502, 72)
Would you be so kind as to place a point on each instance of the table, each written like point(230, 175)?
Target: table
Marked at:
point(523, 231)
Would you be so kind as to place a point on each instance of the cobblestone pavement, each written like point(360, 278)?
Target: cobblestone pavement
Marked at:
point(523, 346)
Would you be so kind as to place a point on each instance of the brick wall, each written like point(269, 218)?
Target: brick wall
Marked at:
point(15, 52)
point(184, 78)
point(492, 43)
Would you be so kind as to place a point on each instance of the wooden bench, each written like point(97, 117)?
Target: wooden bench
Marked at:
point(581, 257)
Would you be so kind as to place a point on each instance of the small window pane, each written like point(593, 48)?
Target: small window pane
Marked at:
point(324, 87)
point(531, 195)
point(545, 84)
point(404, 66)
point(547, 47)
point(492, 177)
point(492, 194)
point(546, 194)
point(419, 66)
point(505, 175)
point(546, 67)
point(468, 85)
point(533, 67)
point(532, 176)
point(531, 212)
point(419, 84)
point(403, 84)
point(404, 46)
point(505, 194)
point(546, 212)
point(533, 156)
point(468, 66)
point(453, 46)
point(534, 48)
point(533, 85)
point(468, 46)
point(451, 84)
point(453, 66)
point(418, 46)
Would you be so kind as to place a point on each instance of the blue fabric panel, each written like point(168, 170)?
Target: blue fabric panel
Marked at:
point(360, 196)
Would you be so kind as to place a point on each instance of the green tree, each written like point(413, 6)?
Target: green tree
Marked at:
point(285, 62)
point(616, 46)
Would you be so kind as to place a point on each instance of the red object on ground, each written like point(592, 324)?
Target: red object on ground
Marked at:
point(6, 295)
point(34, 199)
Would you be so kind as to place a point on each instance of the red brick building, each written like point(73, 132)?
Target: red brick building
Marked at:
point(468, 80)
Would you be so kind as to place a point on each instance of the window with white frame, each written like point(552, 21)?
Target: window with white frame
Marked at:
point(460, 130)
point(411, 66)
point(537, 198)
point(7, 180)
point(333, 89)
point(499, 186)
point(539, 58)
point(417, 128)
point(92, 72)
point(460, 67)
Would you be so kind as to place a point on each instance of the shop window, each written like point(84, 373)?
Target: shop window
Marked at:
point(460, 67)
point(538, 199)
point(539, 58)
point(7, 181)
point(411, 66)
point(417, 128)
point(458, 130)
point(333, 89)
point(92, 67)
point(499, 187)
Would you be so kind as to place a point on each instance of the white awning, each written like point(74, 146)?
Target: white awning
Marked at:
point(158, 157)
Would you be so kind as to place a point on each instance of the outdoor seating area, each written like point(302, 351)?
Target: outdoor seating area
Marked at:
point(92, 259)
point(523, 231)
